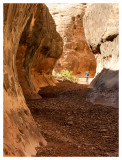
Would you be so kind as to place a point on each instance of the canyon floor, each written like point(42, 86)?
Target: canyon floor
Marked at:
point(71, 125)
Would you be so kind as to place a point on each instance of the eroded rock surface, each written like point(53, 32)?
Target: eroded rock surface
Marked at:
point(31, 48)
point(20, 132)
point(101, 24)
point(77, 56)
point(39, 48)
point(105, 88)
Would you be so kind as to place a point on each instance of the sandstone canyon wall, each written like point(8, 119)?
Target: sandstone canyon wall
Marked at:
point(102, 34)
point(39, 48)
point(31, 47)
point(101, 26)
point(77, 56)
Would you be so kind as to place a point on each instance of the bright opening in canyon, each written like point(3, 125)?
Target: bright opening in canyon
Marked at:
point(61, 80)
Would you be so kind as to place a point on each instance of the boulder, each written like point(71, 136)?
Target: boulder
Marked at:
point(105, 88)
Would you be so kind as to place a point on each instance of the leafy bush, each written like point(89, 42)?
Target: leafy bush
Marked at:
point(65, 75)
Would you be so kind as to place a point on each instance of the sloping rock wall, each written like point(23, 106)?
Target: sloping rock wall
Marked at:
point(20, 133)
point(39, 48)
point(31, 47)
point(76, 56)
point(102, 34)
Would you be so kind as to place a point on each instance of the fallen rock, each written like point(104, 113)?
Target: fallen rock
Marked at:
point(105, 88)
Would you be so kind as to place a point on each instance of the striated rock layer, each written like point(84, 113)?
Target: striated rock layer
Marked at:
point(31, 48)
point(76, 56)
point(102, 34)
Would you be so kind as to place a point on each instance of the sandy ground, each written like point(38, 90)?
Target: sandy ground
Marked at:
point(71, 125)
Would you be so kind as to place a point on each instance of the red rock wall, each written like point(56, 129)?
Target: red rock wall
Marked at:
point(39, 48)
point(30, 43)
point(77, 55)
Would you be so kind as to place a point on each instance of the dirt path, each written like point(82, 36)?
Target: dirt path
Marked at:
point(71, 125)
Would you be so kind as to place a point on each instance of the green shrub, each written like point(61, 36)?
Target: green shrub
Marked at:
point(66, 76)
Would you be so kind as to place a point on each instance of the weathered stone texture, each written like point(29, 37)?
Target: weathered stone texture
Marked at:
point(76, 56)
point(105, 88)
point(31, 48)
point(20, 133)
point(39, 48)
point(101, 26)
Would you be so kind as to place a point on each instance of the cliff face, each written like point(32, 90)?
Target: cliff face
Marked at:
point(76, 56)
point(102, 34)
point(31, 47)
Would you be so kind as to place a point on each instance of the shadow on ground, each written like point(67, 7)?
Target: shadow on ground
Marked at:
point(71, 125)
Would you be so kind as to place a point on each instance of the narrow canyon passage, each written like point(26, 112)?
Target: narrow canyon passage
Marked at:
point(71, 125)
point(50, 51)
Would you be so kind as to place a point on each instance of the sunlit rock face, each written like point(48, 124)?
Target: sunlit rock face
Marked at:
point(102, 34)
point(76, 56)
point(31, 48)
point(101, 24)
